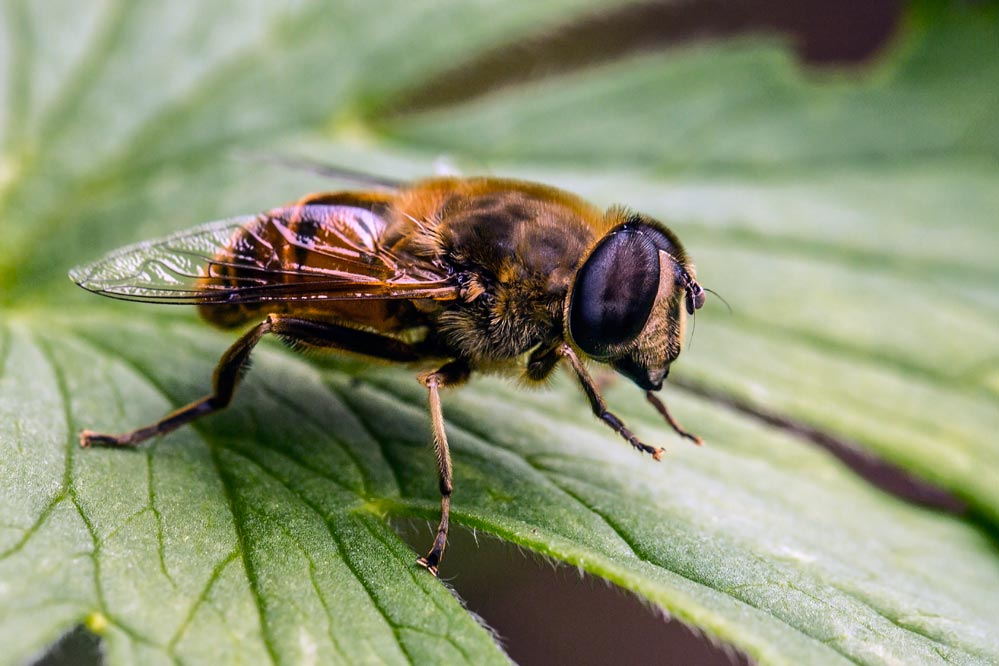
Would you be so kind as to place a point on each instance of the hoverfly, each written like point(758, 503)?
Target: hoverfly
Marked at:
point(453, 275)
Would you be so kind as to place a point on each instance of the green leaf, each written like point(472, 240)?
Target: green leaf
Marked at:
point(849, 222)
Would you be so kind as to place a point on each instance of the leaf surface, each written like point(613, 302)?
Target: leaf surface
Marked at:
point(849, 222)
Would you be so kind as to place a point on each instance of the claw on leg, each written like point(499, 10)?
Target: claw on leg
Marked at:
point(89, 438)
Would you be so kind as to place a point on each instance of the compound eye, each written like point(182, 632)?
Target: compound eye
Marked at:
point(614, 292)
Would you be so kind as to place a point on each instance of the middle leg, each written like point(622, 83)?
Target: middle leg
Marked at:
point(670, 419)
point(450, 374)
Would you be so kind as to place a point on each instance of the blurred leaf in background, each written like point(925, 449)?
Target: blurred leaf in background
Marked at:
point(848, 218)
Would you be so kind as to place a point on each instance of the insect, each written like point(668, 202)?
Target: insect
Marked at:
point(452, 275)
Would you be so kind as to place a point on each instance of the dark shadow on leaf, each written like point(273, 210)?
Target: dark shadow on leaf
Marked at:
point(78, 647)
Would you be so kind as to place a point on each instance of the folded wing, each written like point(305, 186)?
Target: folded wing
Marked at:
point(309, 252)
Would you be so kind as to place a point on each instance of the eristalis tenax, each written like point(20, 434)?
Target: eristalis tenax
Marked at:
point(450, 275)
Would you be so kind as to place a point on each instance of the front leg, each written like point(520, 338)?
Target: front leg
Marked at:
point(600, 407)
point(670, 419)
point(450, 374)
point(541, 363)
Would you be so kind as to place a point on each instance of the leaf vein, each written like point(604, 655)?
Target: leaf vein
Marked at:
point(312, 572)
point(367, 431)
point(309, 418)
point(150, 485)
point(338, 541)
point(248, 568)
point(72, 445)
point(215, 575)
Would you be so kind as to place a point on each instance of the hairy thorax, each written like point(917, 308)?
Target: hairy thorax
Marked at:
point(514, 252)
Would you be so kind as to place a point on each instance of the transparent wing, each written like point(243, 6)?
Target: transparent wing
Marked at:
point(298, 253)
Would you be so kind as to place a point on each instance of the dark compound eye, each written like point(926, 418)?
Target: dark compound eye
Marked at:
point(614, 292)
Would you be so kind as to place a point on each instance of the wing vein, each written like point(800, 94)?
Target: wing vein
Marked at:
point(302, 253)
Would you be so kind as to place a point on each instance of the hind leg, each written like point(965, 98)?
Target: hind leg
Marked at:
point(234, 363)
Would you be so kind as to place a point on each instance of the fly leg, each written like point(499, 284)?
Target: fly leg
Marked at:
point(541, 363)
point(598, 405)
point(228, 372)
point(661, 408)
point(450, 374)
point(298, 333)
